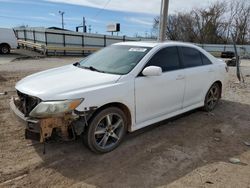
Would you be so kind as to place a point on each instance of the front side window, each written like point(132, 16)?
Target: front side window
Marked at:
point(167, 59)
point(191, 57)
point(115, 59)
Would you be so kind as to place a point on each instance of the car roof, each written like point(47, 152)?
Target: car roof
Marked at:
point(153, 44)
point(156, 44)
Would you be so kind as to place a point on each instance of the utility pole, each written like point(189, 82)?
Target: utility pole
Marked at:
point(163, 20)
point(89, 28)
point(62, 13)
point(84, 25)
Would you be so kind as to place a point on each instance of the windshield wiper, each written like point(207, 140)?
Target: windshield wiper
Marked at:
point(92, 69)
point(77, 64)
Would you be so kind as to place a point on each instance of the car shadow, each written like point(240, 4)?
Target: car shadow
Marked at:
point(158, 154)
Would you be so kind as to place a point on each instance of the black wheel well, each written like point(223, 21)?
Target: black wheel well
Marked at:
point(220, 84)
point(4, 44)
point(121, 106)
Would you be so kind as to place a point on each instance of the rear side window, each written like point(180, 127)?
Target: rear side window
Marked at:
point(205, 60)
point(191, 57)
point(167, 59)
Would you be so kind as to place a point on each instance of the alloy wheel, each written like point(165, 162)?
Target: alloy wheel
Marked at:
point(213, 96)
point(109, 131)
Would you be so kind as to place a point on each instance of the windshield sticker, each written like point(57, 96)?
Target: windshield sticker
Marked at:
point(137, 49)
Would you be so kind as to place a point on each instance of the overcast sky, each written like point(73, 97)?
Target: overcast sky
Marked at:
point(135, 16)
point(138, 6)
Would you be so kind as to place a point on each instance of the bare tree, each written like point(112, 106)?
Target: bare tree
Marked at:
point(174, 31)
point(240, 26)
point(210, 25)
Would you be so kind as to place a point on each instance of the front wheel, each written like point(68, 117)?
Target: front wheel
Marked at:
point(4, 49)
point(106, 130)
point(212, 97)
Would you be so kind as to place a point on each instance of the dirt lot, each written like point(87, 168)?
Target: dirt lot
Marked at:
point(190, 151)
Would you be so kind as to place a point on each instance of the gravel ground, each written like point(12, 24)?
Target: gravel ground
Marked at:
point(192, 150)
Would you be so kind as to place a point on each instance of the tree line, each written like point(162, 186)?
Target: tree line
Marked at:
point(217, 24)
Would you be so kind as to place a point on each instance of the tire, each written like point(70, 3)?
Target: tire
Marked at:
point(106, 130)
point(4, 49)
point(212, 97)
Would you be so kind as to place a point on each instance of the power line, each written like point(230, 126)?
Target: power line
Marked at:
point(97, 14)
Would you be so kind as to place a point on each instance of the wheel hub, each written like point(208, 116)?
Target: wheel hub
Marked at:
point(213, 97)
point(5, 50)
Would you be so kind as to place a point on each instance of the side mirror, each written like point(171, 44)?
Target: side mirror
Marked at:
point(152, 71)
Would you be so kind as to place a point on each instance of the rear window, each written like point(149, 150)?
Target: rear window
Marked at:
point(191, 57)
point(205, 60)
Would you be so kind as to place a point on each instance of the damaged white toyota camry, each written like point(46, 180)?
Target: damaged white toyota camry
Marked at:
point(119, 89)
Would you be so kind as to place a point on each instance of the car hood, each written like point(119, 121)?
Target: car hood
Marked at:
point(65, 82)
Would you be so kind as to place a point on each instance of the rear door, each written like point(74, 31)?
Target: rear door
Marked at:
point(199, 75)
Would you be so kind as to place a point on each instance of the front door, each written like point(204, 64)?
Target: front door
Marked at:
point(156, 96)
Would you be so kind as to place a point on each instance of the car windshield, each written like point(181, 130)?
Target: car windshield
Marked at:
point(115, 59)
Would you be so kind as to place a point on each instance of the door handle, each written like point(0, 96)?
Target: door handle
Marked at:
point(180, 77)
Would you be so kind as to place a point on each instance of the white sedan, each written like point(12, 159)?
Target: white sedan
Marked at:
point(119, 89)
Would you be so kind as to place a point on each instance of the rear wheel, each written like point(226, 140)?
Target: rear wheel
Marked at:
point(4, 49)
point(212, 97)
point(106, 130)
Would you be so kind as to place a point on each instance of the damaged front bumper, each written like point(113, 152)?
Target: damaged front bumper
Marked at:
point(42, 129)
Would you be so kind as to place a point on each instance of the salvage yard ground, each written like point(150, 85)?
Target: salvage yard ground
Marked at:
point(190, 151)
